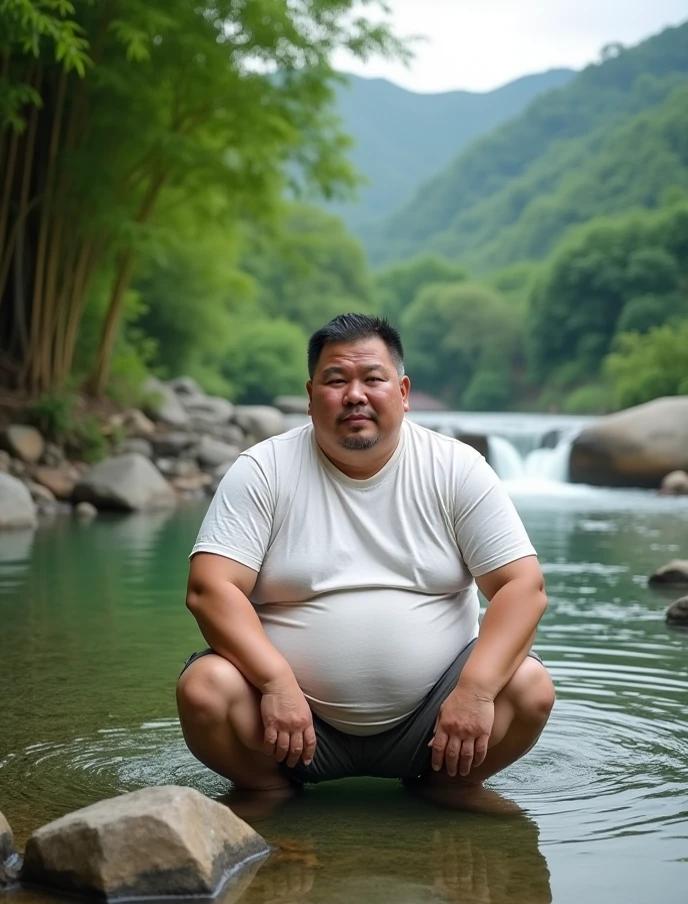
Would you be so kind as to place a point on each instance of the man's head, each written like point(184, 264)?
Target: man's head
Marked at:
point(357, 389)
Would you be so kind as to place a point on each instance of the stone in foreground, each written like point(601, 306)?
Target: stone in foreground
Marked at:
point(9, 858)
point(17, 508)
point(675, 484)
point(673, 574)
point(677, 613)
point(157, 842)
point(126, 482)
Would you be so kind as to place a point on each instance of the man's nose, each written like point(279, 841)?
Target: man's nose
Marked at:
point(355, 393)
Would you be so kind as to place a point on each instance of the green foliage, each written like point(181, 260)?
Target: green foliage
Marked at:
point(53, 414)
point(611, 140)
point(595, 398)
point(645, 367)
point(399, 285)
point(86, 440)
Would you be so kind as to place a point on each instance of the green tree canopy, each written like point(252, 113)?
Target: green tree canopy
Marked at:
point(645, 367)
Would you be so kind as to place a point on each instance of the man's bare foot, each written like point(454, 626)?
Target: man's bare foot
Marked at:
point(457, 795)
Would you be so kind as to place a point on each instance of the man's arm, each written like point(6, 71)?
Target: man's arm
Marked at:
point(217, 596)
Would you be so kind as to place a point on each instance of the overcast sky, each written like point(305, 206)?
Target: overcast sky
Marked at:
point(481, 44)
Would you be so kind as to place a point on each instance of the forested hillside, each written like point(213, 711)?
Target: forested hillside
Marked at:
point(612, 139)
point(401, 138)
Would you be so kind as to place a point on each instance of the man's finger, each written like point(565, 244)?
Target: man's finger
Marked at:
point(282, 746)
point(295, 748)
point(269, 740)
point(480, 751)
point(451, 756)
point(309, 743)
point(439, 744)
point(466, 756)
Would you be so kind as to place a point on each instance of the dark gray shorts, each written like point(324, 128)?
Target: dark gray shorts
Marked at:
point(401, 752)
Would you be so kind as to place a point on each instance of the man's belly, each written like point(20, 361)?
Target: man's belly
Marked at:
point(365, 659)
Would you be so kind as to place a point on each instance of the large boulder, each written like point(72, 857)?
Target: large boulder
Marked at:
point(10, 861)
point(126, 482)
point(675, 484)
point(23, 442)
point(17, 508)
point(673, 574)
point(154, 843)
point(634, 448)
point(677, 613)
point(261, 421)
point(162, 404)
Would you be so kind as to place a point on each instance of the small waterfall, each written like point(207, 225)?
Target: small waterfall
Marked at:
point(542, 463)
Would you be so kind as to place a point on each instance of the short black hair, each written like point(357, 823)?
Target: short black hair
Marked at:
point(353, 328)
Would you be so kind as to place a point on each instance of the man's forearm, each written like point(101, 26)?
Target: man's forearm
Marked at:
point(506, 635)
point(231, 627)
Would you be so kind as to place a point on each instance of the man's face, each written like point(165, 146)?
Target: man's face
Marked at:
point(357, 399)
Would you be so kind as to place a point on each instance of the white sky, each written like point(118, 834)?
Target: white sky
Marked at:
point(481, 44)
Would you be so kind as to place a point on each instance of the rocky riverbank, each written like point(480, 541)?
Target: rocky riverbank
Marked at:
point(178, 446)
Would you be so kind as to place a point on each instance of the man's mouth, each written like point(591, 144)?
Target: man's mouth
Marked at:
point(356, 418)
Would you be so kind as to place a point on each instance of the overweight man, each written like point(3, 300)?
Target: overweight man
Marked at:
point(335, 580)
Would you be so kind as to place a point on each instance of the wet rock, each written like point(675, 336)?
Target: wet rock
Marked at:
point(262, 421)
point(17, 508)
point(677, 613)
point(171, 444)
point(23, 442)
point(136, 444)
point(157, 842)
point(633, 448)
point(60, 481)
point(9, 858)
point(673, 574)
point(675, 484)
point(85, 511)
point(126, 482)
point(212, 452)
point(162, 404)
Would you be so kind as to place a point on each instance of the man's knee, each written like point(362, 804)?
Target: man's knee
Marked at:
point(531, 692)
point(208, 689)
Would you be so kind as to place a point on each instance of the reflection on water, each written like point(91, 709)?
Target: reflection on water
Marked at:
point(94, 633)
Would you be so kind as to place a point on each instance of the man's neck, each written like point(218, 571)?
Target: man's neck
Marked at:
point(364, 463)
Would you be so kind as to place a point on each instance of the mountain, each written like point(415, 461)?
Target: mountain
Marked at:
point(401, 138)
point(614, 138)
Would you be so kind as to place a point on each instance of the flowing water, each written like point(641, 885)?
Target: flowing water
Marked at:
point(94, 632)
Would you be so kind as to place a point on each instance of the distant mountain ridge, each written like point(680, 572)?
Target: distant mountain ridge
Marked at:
point(402, 138)
point(615, 137)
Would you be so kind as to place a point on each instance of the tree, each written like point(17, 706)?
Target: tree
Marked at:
point(650, 366)
point(399, 285)
point(113, 115)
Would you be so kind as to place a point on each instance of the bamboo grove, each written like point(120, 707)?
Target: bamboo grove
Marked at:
point(117, 115)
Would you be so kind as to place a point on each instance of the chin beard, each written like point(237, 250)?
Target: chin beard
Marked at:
point(359, 443)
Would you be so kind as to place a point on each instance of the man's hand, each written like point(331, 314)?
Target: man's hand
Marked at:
point(288, 722)
point(462, 731)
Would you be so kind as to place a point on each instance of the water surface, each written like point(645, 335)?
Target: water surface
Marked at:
point(94, 633)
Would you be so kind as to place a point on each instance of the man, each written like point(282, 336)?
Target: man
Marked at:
point(334, 579)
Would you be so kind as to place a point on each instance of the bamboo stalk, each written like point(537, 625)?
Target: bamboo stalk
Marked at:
point(39, 377)
point(6, 197)
point(86, 268)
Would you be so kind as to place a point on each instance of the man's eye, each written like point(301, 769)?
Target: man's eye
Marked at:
point(335, 382)
point(374, 380)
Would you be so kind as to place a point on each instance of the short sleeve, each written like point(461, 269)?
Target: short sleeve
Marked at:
point(238, 523)
point(489, 531)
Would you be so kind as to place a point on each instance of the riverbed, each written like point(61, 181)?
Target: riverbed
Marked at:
point(94, 633)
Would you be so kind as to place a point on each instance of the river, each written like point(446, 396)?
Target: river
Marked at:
point(94, 633)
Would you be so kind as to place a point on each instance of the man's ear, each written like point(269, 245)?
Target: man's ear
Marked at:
point(405, 386)
point(309, 390)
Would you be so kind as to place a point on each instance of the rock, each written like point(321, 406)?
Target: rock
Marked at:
point(17, 508)
point(9, 858)
point(177, 467)
point(231, 434)
point(477, 440)
point(162, 404)
point(207, 410)
point(675, 484)
point(677, 613)
point(171, 444)
point(130, 482)
point(17, 467)
point(157, 842)
point(289, 404)
point(136, 444)
point(191, 484)
point(5, 461)
point(634, 448)
point(186, 386)
point(60, 481)
point(211, 453)
point(136, 424)
point(673, 574)
point(23, 442)
point(85, 511)
point(260, 420)
point(40, 494)
point(53, 456)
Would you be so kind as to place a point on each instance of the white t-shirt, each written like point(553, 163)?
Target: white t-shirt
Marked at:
point(365, 586)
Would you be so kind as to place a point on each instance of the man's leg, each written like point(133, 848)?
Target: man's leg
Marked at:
point(220, 716)
point(522, 709)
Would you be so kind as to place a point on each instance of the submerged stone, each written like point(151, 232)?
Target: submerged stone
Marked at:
point(673, 574)
point(677, 613)
point(157, 842)
point(9, 858)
